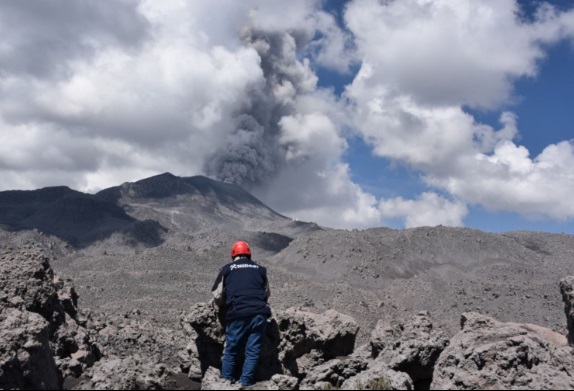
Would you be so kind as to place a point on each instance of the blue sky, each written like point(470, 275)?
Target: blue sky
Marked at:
point(352, 114)
point(543, 103)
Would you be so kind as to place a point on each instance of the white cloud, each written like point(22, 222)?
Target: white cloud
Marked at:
point(335, 49)
point(451, 51)
point(308, 134)
point(423, 61)
point(323, 193)
point(510, 180)
point(429, 209)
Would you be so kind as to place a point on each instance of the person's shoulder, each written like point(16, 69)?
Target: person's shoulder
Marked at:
point(254, 263)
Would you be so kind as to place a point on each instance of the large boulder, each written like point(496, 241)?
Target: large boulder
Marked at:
point(205, 328)
point(333, 373)
point(567, 289)
point(411, 345)
point(131, 373)
point(401, 354)
point(26, 360)
point(136, 352)
point(379, 377)
point(331, 333)
point(134, 333)
point(290, 335)
point(28, 285)
point(488, 354)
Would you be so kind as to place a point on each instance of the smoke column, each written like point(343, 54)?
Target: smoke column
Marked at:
point(252, 151)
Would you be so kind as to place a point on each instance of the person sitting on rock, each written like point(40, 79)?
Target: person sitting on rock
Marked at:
point(242, 287)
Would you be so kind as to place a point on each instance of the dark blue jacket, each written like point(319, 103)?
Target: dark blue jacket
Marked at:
point(243, 286)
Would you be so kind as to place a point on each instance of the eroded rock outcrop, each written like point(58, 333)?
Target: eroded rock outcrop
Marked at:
point(331, 334)
point(488, 354)
point(135, 353)
point(333, 373)
point(26, 360)
point(205, 329)
point(318, 349)
point(291, 335)
point(410, 345)
point(45, 339)
point(131, 373)
point(401, 354)
point(379, 377)
point(41, 324)
point(567, 289)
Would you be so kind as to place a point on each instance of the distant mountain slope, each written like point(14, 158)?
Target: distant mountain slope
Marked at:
point(146, 213)
point(78, 218)
point(191, 203)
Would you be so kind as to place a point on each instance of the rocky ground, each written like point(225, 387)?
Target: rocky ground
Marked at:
point(379, 273)
point(49, 342)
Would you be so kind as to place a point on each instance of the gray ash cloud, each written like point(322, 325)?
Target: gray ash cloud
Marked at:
point(44, 36)
point(252, 151)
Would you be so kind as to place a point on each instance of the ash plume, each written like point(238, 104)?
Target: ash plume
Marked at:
point(252, 151)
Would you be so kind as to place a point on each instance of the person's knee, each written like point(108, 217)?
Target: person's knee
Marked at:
point(232, 349)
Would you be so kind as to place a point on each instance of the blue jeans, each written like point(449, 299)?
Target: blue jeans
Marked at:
point(248, 332)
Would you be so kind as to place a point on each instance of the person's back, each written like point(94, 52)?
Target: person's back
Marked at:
point(242, 286)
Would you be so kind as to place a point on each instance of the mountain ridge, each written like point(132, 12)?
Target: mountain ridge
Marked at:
point(158, 204)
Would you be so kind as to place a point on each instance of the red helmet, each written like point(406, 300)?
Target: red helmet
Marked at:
point(240, 248)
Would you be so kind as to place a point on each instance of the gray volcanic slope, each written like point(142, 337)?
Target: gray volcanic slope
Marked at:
point(80, 219)
point(135, 216)
point(512, 276)
point(369, 274)
point(189, 203)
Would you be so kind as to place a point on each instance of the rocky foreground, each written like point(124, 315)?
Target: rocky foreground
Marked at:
point(47, 342)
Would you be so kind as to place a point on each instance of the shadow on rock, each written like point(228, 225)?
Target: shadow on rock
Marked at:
point(77, 218)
